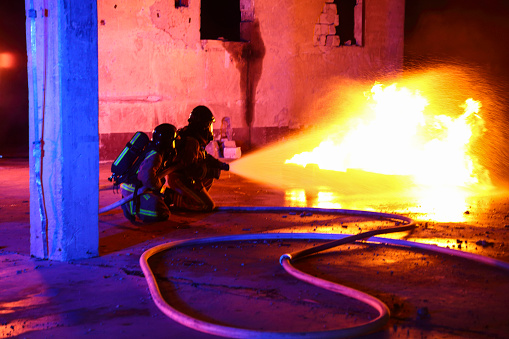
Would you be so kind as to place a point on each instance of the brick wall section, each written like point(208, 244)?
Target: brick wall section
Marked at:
point(325, 29)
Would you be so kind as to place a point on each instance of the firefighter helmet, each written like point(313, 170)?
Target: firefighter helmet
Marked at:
point(201, 120)
point(164, 135)
point(201, 116)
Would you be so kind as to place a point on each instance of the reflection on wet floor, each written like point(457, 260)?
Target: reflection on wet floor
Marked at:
point(449, 204)
point(20, 326)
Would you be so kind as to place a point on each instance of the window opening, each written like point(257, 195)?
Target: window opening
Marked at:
point(220, 20)
point(340, 24)
point(181, 3)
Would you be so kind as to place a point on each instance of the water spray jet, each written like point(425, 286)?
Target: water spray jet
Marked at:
point(415, 137)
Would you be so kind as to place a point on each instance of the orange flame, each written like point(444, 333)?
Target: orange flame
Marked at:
point(411, 147)
point(396, 136)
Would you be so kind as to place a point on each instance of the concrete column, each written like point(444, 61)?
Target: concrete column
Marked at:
point(64, 135)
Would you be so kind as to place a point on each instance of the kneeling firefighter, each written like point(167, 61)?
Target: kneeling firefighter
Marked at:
point(158, 157)
point(196, 169)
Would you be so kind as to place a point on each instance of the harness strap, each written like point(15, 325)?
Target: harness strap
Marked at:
point(135, 197)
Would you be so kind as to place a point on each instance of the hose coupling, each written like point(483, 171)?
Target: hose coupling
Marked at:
point(285, 256)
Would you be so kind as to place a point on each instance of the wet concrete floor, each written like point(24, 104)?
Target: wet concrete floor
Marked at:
point(241, 283)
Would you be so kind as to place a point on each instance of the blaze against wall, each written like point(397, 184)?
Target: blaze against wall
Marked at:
point(156, 62)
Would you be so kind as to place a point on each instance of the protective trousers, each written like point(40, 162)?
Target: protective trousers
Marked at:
point(188, 194)
point(148, 207)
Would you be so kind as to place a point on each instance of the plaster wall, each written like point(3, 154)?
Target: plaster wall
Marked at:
point(154, 68)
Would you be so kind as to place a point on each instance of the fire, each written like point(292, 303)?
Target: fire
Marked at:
point(397, 135)
point(412, 146)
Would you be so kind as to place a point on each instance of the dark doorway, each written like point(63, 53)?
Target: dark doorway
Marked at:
point(13, 80)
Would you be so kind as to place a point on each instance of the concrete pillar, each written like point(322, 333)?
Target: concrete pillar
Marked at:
point(63, 123)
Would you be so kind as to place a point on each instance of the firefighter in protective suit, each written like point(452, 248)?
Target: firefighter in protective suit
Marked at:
point(159, 155)
point(195, 169)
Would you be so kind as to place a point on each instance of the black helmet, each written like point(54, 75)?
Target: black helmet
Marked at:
point(163, 136)
point(200, 121)
point(201, 117)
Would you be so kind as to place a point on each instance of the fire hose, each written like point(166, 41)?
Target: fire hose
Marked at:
point(214, 164)
point(139, 191)
point(286, 261)
point(122, 201)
